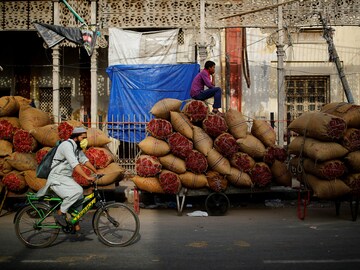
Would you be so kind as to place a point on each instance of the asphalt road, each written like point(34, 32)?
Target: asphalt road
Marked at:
point(247, 237)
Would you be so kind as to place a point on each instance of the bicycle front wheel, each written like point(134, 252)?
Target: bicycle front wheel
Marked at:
point(116, 224)
point(32, 233)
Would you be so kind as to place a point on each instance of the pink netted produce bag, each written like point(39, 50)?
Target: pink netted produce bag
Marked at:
point(180, 145)
point(65, 130)
point(196, 110)
point(170, 182)
point(226, 144)
point(351, 139)
point(242, 161)
point(214, 125)
point(41, 153)
point(196, 162)
point(159, 128)
point(7, 130)
point(147, 165)
point(80, 179)
point(14, 181)
point(273, 153)
point(23, 142)
point(99, 157)
point(261, 174)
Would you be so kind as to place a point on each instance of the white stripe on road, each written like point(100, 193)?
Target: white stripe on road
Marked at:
point(309, 261)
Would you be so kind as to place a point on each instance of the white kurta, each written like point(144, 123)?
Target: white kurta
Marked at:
point(60, 178)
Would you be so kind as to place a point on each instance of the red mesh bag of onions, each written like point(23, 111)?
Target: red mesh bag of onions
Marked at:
point(273, 153)
point(14, 181)
point(196, 110)
point(226, 144)
point(214, 125)
point(7, 130)
point(23, 142)
point(261, 174)
point(159, 128)
point(242, 161)
point(65, 130)
point(170, 182)
point(80, 179)
point(147, 166)
point(180, 145)
point(41, 153)
point(196, 162)
point(98, 157)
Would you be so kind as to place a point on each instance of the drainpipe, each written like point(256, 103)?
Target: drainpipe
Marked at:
point(202, 44)
point(56, 71)
point(280, 78)
point(93, 75)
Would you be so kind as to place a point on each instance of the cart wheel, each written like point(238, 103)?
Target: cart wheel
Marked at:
point(217, 204)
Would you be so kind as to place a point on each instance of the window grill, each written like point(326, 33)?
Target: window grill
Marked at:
point(46, 101)
point(306, 93)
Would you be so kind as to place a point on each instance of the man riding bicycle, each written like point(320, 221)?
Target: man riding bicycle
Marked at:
point(67, 159)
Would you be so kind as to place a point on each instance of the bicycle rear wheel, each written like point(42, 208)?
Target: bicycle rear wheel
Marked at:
point(31, 233)
point(116, 224)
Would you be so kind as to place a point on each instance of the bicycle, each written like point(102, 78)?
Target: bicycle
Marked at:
point(115, 224)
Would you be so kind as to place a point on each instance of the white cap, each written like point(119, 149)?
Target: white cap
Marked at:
point(79, 130)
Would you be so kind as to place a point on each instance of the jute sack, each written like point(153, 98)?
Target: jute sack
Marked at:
point(281, 174)
point(8, 106)
point(193, 181)
point(216, 181)
point(351, 139)
point(31, 118)
point(218, 162)
point(22, 161)
point(96, 137)
point(322, 151)
point(327, 189)
point(349, 112)
point(352, 161)
point(353, 182)
point(317, 150)
point(14, 121)
point(162, 108)
point(154, 147)
point(182, 124)
point(331, 169)
point(22, 101)
point(264, 132)
point(47, 135)
point(6, 148)
point(5, 167)
point(201, 140)
point(149, 184)
point(32, 181)
point(236, 123)
point(252, 146)
point(319, 125)
point(114, 172)
point(173, 163)
point(239, 178)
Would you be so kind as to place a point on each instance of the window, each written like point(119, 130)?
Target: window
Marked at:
point(306, 93)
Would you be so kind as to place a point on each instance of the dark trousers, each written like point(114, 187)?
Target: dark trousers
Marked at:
point(211, 92)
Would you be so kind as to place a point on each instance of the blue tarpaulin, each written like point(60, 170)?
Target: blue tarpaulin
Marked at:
point(136, 88)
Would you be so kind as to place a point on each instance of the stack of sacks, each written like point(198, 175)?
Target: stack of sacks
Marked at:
point(327, 150)
point(27, 134)
point(193, 148)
